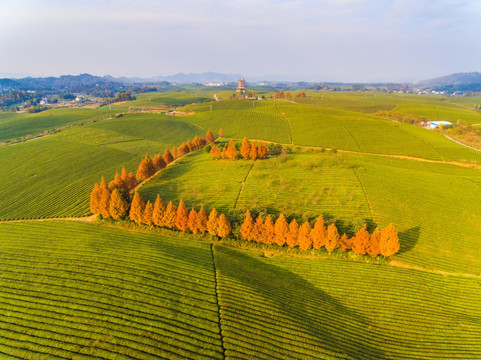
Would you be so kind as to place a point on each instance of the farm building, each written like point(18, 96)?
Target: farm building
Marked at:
point(436, 124)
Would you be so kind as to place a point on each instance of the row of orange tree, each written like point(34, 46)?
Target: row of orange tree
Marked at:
point(381, 242)
point(247, 151)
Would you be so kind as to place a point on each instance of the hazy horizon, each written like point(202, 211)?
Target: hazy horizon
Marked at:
point(304, 40)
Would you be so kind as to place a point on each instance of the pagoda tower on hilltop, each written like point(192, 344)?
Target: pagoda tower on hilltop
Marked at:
point(241, 86)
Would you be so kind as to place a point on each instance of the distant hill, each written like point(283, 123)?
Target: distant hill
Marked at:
point(199, 77)
point(458, 82)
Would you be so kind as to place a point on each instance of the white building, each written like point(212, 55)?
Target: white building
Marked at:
point(436, 124)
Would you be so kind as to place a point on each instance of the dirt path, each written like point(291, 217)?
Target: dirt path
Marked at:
point(242, 185)
point(460, 143)
point(90, 218)
point(288, 122)
point(401, 265)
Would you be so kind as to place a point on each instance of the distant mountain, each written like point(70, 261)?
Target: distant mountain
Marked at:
point(198, 78)
point(457, 82)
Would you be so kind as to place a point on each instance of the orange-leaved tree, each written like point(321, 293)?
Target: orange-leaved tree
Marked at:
point(253, 152)
point(247, 227)
point(202, 219)
point(319, 233)
point(373, 248)
point(118, 206)
point(147, 214)
point(261, 150)
point(291, 239)
point(192, 221)
point(104, 199)
point(345, 243)
point(209, 137)
point(137, 209)
point(223, 226)
point(269, 237)
point(231, 151)
point(214, 151)
point(332, 241)
point(158, 212)
point(159, 162)
point(258, 230)
point(182, 217)
point(212, 222)
point(361, 241)
point(168, 158)
point(281, 229)
point(245, 148)
point(303, 238)
point(389, 241)
point(95, 200)
point(170, 215)
point(146, 168)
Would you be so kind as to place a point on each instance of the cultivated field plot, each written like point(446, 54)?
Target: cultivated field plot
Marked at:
point(71, 290)
point(53, 176)
point(441, 111)
point(436, 208)
point(307, 184)
point(198, 179)
point(14, 126)
point(239, 118)
point(281, 307)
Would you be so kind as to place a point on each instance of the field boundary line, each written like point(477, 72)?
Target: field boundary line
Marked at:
point(90, 218)
point(401, 265)
point(288, 121)
point(365, 194)
point(216, 287)
point(243, 184)
point(394, 156)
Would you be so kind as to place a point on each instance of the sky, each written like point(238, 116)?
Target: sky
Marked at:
point(309, 40)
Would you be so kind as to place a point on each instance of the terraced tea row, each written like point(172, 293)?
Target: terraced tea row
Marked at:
point(80, 290)
point(280, 307)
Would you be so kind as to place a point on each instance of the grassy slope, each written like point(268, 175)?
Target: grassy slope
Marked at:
point(14, 126)
point(283, 307)
point(53, 176)
point(442, 111)
point(77, 290)
point(146, 295)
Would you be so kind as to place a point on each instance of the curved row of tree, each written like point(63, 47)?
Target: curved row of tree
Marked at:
point(381, 242)
point(247, 151)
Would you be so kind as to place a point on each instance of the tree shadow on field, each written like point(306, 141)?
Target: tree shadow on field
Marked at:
point(307, 306)
point(327, 322)
point(408, 239)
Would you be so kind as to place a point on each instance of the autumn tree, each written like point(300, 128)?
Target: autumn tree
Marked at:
point(231, 150)
point(137, 209)
point(361, 241)
point(174, 152)
point(223, 227)
point(303, 238)
point(224, 153)
point(182, 217)
point(118, 206)
point(189, 145)
point(192, 221)
point(214, 151)
point(221, 132)
point(159, 162)
point(345, 243)
point(373, 248)
point(158, 212)
point(116, 183)
point(319, 233)
point(269, 237)
point(170, 215)
point(258, 230)
point(168, 158)
point(247, 227)
point(245, 148)
point(281, 229)
point(389, 241)
point(332, 241)
point(146, 168)
point(104, 199)
point(212, 222)
point(291, 239)
point(147, 214)
point(202, 219)
point(253, 152)
point(261, 150)
point(95, 200)
point(129, 180)
point(209, 137)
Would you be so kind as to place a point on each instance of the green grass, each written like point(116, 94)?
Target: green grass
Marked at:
point(442, 111)
point(76, 290)
point(15, 126)
point(281, 307)
point(53, 176)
